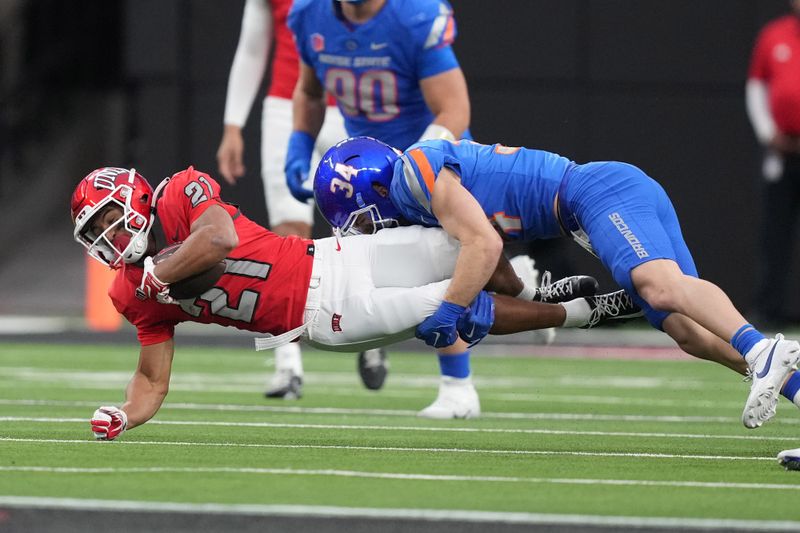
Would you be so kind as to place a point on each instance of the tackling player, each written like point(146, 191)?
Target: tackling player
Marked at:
point(337, 295)
point(482, 194)
point(262, 22)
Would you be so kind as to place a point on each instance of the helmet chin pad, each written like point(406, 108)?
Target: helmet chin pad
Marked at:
point(134, 252)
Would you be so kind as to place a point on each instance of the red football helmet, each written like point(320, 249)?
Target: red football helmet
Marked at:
point(128, 190)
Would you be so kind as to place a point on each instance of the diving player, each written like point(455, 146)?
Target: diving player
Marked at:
point(480, 194)
point(344, 295)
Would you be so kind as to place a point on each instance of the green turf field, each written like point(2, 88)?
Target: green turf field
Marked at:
point(588, 437)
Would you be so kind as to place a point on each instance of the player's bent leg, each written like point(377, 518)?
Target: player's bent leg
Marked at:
point(664, 287)
point(697, 341)
point(512, 315)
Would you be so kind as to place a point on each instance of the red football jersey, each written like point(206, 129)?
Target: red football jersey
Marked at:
point(286, 60)
point(776, 61)
point(265, 284)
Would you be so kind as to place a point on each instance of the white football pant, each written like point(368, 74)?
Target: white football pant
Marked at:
point(377, 288)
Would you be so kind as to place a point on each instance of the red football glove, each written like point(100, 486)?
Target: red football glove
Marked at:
point(152, 287)
point(108, 423)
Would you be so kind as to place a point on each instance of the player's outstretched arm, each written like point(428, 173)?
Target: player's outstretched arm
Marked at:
point(144, 394)
point(150, 383)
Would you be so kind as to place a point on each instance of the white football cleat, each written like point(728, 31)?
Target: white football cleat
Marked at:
point(285, 384)
point(770, 363)
point(790, 459)
point(457, 399)
point(287, 381)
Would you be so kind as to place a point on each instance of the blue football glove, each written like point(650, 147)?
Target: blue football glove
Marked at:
point(298, 164)
point(439, 329)
point(475, 324)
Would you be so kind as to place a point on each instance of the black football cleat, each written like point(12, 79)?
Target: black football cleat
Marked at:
point(565, 289)
point(617, 306)
point(373, 367)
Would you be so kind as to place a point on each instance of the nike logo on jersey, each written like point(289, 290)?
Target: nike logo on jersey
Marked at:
point(378, 46)
point(764, 371)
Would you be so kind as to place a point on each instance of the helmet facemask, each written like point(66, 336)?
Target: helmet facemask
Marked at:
point(367, 220)
point(128, 246)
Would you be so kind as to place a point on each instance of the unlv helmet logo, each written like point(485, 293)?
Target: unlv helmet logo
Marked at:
point(105, 178)
point(335, 319)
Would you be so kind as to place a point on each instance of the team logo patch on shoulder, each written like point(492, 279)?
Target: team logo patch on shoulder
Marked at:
point(335, 320)
point(317, 42)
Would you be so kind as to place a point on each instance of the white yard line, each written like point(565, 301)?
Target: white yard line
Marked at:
point(455, 515)
point(408, 412)
point(393, 449)
point(398, 475)
point(89, 378)
point(436, 429)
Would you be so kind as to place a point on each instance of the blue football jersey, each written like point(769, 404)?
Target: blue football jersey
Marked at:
point(516, 187)
point(374, 69)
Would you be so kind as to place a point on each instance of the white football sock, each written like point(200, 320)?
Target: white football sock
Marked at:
point(578, 312)
point(288, 357)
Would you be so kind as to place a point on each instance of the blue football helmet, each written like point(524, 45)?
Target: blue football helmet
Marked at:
point(351, 186)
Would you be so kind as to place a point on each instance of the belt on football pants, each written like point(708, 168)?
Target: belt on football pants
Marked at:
point(313, 302)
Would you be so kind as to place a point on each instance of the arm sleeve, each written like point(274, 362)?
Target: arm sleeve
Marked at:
point(757, 101)
point(414, 179)
point(250, 61)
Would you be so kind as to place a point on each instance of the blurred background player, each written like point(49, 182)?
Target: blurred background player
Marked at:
point(263, 22)
point(773, 105)
point(389, 65)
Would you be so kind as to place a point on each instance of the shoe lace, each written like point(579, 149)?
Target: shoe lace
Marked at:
point(610, 305)
point(550, 291)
